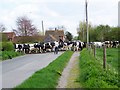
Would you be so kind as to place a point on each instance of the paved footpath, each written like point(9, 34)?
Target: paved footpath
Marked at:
point(70, 73)
point(16, 70)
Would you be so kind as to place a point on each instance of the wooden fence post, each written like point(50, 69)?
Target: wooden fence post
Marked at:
point(104, 57)
point(94, 51)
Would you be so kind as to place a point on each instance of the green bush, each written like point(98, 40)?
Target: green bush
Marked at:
point(7, 46)
point(8, 51)
point(10, 54)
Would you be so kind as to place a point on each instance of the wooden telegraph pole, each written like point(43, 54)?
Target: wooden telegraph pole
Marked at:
point(86, 5)
point(94, 50)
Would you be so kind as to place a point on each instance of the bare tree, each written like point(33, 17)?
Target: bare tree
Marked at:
point(2, 27)
point(25, 27)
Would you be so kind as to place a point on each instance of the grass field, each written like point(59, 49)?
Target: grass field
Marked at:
point(92, 74)
point(48, 77)
point(112, 56)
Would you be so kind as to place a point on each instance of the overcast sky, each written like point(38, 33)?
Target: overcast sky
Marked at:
point(59, 12)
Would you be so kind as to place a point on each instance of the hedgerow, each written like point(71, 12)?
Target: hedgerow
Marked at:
point(10, 54)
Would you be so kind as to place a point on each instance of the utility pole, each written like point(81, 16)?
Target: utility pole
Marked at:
point(86, 5)
point(83, 33)
point(42, 28)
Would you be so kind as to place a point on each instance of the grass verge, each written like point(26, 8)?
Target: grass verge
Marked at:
point(48, 77)
point(92, 74)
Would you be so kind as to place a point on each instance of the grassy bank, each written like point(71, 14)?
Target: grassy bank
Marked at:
point(48, 77)
point(9, 54)
point(92, 74)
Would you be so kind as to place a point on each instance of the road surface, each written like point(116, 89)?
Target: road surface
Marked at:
point(16, 70)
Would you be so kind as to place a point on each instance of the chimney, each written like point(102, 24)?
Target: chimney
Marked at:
point(55, 29)
point(42, 28)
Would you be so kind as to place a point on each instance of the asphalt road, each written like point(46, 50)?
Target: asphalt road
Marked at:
point(16, 70)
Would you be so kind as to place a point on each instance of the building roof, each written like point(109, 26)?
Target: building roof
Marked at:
point(53, 37)
point(54, 32)
point(50, 38)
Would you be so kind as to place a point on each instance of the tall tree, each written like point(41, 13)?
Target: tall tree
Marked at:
point(25, 27)
point(69, 36)
point(82, 31)
point(102, 32)
point(114, 34)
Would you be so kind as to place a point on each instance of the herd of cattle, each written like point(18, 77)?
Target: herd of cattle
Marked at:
point(62, 46)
